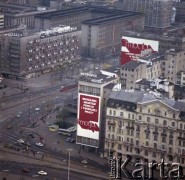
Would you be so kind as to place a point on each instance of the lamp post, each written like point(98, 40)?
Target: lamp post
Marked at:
point(69, 151)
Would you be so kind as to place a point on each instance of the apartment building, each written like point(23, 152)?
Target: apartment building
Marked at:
point(179, 91)
point(146, 126)
point(133, 71)
point(157, 12)
point(94, 88)
point(172, 64)
point(33, 53)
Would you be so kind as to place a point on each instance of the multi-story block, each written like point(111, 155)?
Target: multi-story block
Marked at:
point(180, 11)
point(33, 53)
point(145, 126)
point(179, 91)
point(157, 12)
point(93, 89)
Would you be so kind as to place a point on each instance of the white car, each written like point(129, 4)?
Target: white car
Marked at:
point(20, 141)
point(84, 162)
point(37, 109)
point(18, 115)
point(39, 144)
point(42, 173)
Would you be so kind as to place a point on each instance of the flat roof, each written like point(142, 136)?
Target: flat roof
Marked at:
point(96, 78)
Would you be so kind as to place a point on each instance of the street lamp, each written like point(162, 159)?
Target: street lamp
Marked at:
point(69, 150)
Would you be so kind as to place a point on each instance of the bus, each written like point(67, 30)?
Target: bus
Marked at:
point(64, 132)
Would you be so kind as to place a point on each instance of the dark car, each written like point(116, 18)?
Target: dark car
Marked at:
point(68, 139)
point(25, 170)
point(72, 141)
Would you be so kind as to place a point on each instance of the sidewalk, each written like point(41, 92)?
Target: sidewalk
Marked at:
point(10, 155)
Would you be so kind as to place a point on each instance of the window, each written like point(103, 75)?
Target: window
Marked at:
point(146, 153)
point(148, 119)
point(110, 112)
point(154, 154)
point(140, 109)
point(147, 136)
point(127, 148)
point(120, 123)
point(170, 150)
point(164, 123)
point(132, 116)
point(181, 126)
point(128, 116)
point(173, 124)
point(119, 146)
point(112, 145)
point(170, 158)
point(109, 128)
point(147, 144)
point(155, 137)
point(140, 117)
point(171, 141)
point(114, 113)
point(121, 114)
point(163, 139)
point(113, 129)
point(137, 143)
point(155, 145)
point(148, 110)
point(127, 139)
point(156, 121)
point(174, 116)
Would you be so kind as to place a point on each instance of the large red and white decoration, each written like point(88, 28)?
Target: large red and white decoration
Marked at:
point(88, 116)
point(134, 48)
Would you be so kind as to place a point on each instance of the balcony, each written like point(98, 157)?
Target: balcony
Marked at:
point(130, 127)
point(111, 123)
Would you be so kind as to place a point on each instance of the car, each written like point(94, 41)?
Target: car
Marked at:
point(39, 144)
point(68, 139)
point(20, 141)
point(18, 115)
point(84, 162)
point(42, 173)
point(37, 109)
point(72, 140)
point(25, 170)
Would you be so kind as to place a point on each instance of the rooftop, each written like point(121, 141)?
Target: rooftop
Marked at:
point(110, 86)
point(135, 97)
point(113, 69)
point(143, 82)
point(178, 87)
point(132, 65)
point(96, 78)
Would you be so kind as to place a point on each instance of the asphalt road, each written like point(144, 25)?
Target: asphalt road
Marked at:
point(16, 168)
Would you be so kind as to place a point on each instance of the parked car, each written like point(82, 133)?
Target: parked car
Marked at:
point(68, 139)
point(37, 109)
point(20, 141)
point(25, 170)
point(39, 144)
point(84, 162)
point(42, 173)
point(72, 140)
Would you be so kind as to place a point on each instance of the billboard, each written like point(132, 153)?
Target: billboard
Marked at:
point(88, 122)
point(134, 48)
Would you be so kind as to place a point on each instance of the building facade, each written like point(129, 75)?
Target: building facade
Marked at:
point(180, 78)
point(91, 88)
point(32, 54)
point(157, 13)
point(146, 127)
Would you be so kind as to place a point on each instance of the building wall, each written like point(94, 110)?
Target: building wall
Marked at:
point(180, 78)
point(157, 13)
point(149, 133)
point(172, 64)
point(104, 39)
point(180, 11)
point(32, 54)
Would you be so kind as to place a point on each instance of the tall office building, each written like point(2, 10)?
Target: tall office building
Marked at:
point(158, 13)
